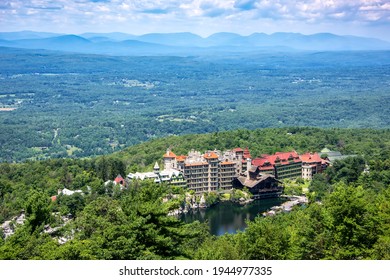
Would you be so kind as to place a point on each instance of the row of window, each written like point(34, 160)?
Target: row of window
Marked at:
point(205, 189)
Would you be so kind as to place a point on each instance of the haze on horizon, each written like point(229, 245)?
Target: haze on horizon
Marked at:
point(368, 18)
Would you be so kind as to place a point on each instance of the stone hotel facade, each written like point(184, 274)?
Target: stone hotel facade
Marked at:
point(217, 170)
point(211, 171)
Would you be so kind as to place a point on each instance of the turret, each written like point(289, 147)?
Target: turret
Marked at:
point(156, 168)
point(169, 160)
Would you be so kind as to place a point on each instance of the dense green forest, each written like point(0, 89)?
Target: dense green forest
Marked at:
point(55, 105)
point(348, 215)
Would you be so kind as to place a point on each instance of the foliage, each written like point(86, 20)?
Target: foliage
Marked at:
point(224, 247)
point(266, 239)
point(211, 198)
point(352, 223)
point(348, 217)
point(78, 105)
point(346, 226)
point(294, 187)
point(37, 209)
point(371, 143)
point(71, 204)
point(347, 170)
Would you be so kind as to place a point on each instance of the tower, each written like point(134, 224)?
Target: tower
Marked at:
point(156, 168)
point(169, 160)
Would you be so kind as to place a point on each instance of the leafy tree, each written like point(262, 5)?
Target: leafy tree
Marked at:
point(382, 246)
point(324, 156)
point(26, 244)
point(5, 187)
point(348, 169)
point(37, 209)
point(160, 234)
point(225, 247)
point(71, 204)
point(137, 227)
point(352, 223)
point(266, 239)
point(320, 186)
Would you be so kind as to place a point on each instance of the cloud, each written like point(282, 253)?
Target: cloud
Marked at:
point(156, 11)
point(45, 7)
point(19, 7)
point(5, 5)
point(315, 10)
point(271, 9)
point(222, 15)
point(211, 9)
point(245, 4)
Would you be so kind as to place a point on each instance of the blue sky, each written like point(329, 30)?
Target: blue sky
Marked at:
point(370, 18)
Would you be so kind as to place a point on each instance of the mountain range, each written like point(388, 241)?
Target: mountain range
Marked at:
point(186, 43)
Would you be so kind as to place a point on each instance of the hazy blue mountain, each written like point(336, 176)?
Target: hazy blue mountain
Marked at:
point(20, 35)
point(114, 36)
point(172, 39)
point(67, 39)
point(225, 38)
point(6, 43)
point(189, 44)
point(63, 43)
point(137, 47)
point(73, 43)
point(320, 41)
point(99, 39)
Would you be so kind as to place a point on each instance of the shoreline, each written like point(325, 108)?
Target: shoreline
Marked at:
point(286, 206)
point(196, 206)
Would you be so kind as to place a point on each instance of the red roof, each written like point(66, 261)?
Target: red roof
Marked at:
point(181, 158)
point(197, 164)
point(311, 158)
point(247, 153)
point(283, 158)
point(258, 161)
point(169, 154)
point(119, 180)
point(238, 150)
point(53, 198)
point(210, 155)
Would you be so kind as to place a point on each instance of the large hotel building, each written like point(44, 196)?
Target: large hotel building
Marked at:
point(281, 165)
point(211, 171)
point(219, 171)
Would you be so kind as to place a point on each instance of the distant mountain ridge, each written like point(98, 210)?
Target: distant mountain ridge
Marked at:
point(186, 43)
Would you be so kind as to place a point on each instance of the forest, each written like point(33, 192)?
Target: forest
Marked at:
point(347, 217)
point(56, 104)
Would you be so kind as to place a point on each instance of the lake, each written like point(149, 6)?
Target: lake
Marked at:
point(229, 217)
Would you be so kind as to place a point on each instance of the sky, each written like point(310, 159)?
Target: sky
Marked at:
point(369, 18)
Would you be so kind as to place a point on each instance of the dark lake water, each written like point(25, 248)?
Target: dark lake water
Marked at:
point(230, 217)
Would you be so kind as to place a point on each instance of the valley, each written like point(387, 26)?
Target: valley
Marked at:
point(102, 104)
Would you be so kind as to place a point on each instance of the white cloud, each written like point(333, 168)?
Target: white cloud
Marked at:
point(196, 15)
point(103, 9)
point(275, 9)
